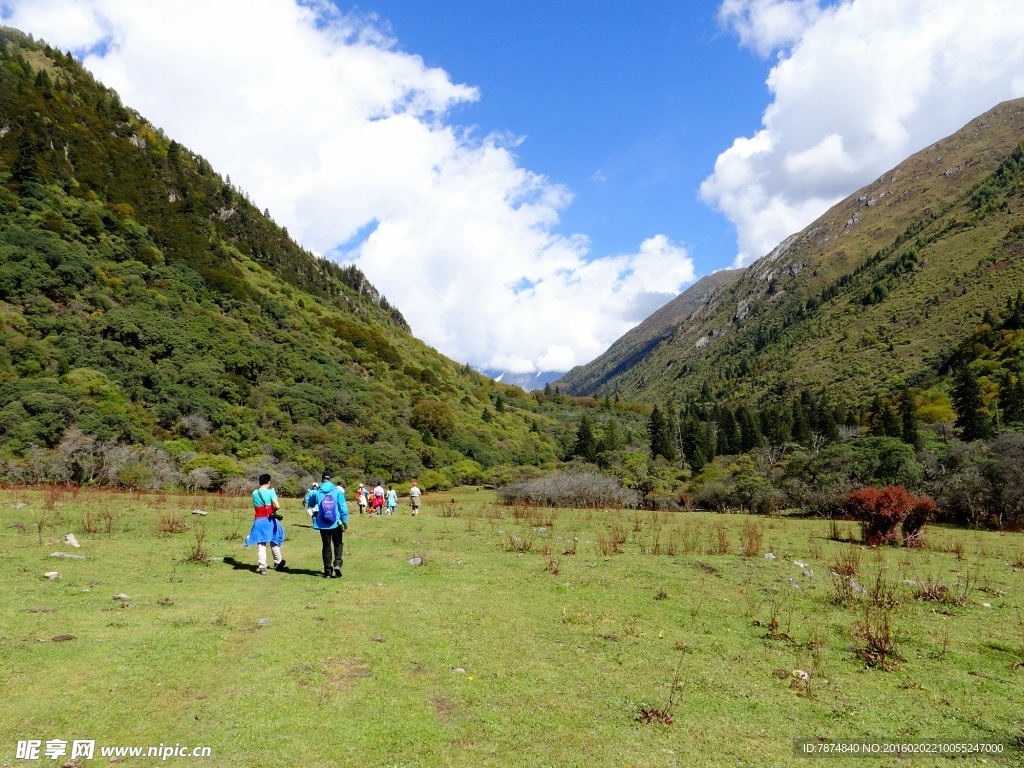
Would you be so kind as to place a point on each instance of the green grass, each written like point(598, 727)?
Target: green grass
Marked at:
point(556, 666)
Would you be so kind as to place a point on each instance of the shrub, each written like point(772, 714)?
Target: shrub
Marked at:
point(751, 538)
point(717, 496)
point(434, 417)
point(514, 542)
point(880, 511)
point(236, 486)
point(579, 491)
point(878, 640)
point(429, 480)
point(920, 514)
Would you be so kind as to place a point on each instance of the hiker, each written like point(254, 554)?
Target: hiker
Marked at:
point(309, 501)
point(377, 500)
point(414, 498)
point(331, 520)
point(392, 500)
point(362, 498)
point(266, 526)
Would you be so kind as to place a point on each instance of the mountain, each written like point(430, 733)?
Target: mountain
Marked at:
point(872, 296)
point(640, 341)
point(158, 329)
point(530, 382)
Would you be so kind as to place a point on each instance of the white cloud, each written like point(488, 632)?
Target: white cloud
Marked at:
point(321, 119)
point(766, 25)
point(859, 86)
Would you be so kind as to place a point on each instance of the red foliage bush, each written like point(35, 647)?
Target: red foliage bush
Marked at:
point(920, 513)
point(881, 510)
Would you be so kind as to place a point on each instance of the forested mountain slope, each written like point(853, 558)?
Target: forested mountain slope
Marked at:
point(157, 328)
point(872, 297)
point(637, 343)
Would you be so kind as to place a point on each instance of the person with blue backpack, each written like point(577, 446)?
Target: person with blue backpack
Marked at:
point(331, 519)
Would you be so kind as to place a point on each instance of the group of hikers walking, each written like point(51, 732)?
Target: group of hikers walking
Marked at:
point(325, 503)
point(379, 502)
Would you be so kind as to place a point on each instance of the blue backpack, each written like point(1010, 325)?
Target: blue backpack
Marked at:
point(329, 509)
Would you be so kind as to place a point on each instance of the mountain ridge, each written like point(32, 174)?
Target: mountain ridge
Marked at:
point(905, 236)
point(157, 329)
point(640, 340)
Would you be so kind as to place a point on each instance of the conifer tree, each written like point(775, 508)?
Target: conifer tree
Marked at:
point(884, 423)
point(774, 426)
point(801, 429)
point(586, 444)
point(610, 439)
point(1011, 399)
point(728, 432)
point(908, 419)
point(696, 441)
point(972, 419)
point(750, 433)
point(891, 426)
point(661, 439)
point(825, 424)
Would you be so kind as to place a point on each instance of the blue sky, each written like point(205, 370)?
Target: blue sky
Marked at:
point(527, 181)
point(628, 104)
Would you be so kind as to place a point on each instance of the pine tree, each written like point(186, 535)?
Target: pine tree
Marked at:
point(826, 424)
point(891, 426)
point(728, 432)
point(1015, 321)
point(610, 440)
point(801, 429)
point(884, 423)
point(43, 80)
point(1011, 399)
point(908, 419)
point(696, 442)
point(661, 439)
point(586, 444)
point(698, 461)
point(750, 433)
point(972, 419)
point(774, 426)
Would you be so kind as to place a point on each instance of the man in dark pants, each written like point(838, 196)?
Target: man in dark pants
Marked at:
point(331, 531)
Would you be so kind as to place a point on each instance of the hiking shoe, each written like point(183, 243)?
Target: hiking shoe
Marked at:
point(337, 573)
point(279, 566)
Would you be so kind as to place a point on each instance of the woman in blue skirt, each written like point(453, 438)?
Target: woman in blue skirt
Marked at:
point(266, 526)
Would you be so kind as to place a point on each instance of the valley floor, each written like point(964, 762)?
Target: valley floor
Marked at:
point(521, 638)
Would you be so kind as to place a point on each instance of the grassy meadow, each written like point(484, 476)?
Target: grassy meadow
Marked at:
point(523, 636)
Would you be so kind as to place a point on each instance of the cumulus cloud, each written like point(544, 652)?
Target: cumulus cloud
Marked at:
point(858, 87)
point(354, 145)
point(767, 25)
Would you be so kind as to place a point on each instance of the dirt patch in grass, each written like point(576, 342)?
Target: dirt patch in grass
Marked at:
point(442, 705)
point(341, 673)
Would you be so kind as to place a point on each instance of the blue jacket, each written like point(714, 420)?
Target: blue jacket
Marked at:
point(313, 498)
